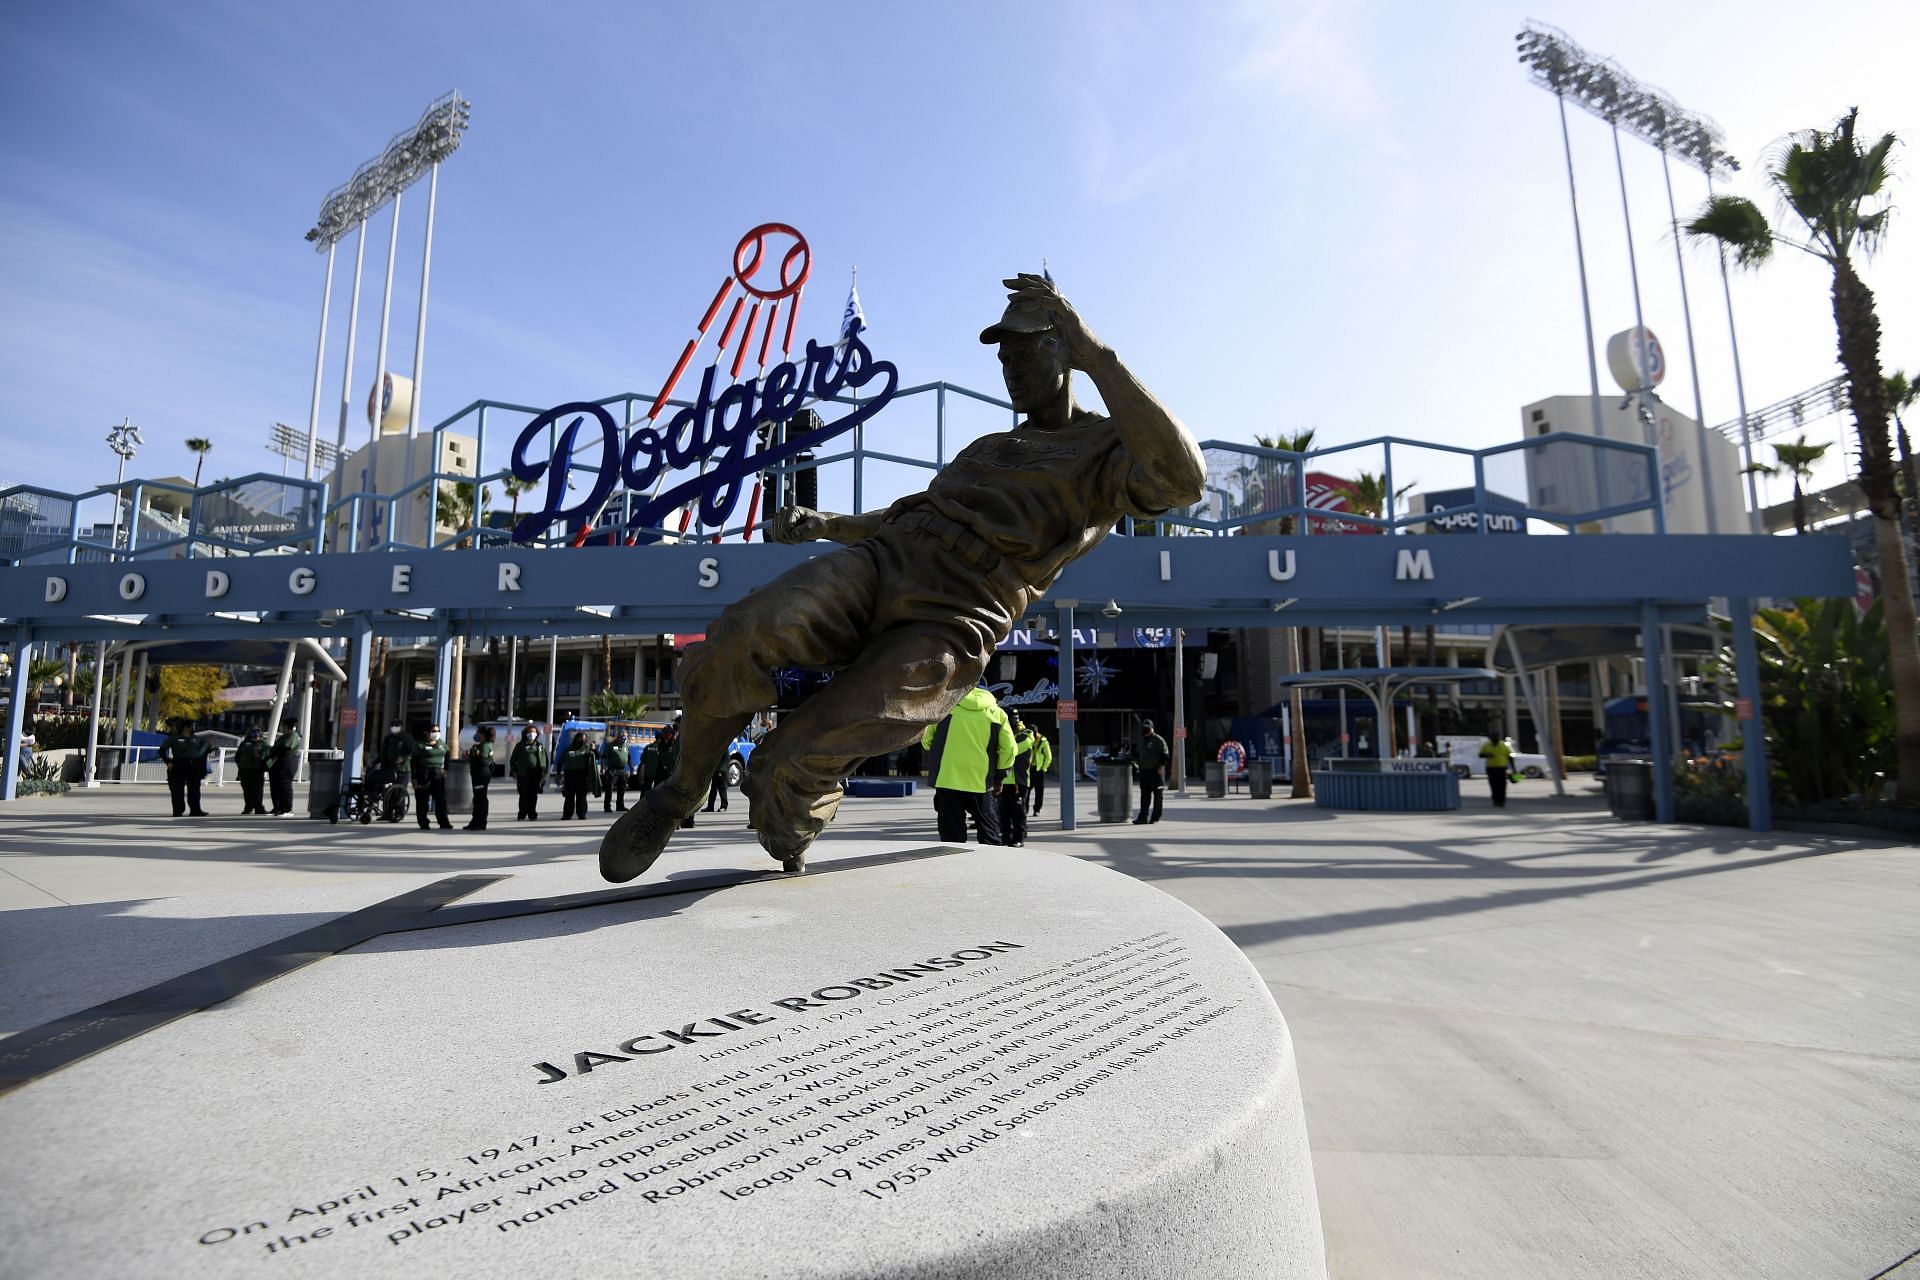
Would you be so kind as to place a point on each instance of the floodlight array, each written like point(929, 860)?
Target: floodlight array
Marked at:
point(289, 443)
point(1599, 86)
point(409, 155)
point(1795, 412)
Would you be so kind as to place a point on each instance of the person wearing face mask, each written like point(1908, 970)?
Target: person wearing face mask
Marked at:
point(250, 759)
point(430, 778)
point(396, 754)
point(528, 765)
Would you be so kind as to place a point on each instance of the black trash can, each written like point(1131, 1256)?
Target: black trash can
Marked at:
point(460, 787)
point(1630, 789)
point(1116, 792)
point(1260, 779)
point(1216, 780)
point(323, 785)
point(109, 766)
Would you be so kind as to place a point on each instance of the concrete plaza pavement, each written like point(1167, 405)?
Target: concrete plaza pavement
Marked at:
point(1533, 1042)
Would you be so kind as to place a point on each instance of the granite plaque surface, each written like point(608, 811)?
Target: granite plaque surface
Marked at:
point(987, 1062)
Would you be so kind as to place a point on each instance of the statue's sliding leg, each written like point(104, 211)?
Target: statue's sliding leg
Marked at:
point(812, 616)
point(906, 679)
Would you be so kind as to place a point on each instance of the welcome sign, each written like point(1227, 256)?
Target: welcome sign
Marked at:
point(724, 424)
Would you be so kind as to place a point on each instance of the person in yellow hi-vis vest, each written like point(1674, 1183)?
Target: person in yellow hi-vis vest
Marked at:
point(969, 756)
point(1013, 799)
point(1037, 772)
point(1499, 758)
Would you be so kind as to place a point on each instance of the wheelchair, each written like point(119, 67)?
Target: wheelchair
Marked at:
point(381, 794)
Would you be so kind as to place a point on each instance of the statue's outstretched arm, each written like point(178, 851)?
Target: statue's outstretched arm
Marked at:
point(804, 524)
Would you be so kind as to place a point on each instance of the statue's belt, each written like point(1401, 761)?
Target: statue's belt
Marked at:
point(972, 550)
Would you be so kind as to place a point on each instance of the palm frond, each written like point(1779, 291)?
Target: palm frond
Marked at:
point(1738, 224)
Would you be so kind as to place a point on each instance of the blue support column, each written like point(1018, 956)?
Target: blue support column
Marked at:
point(1753, 738)
point(443, 680)
point(1654, 662)
point(16, 715)
point(1069, 765)
point(358, 667)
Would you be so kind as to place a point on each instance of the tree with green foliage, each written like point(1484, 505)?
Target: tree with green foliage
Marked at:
point(1826, 698)
point(41, 673)
point(1797, 460)
point(201, 447)
point(463, 505)
point(1367, 495)
point(1832, 185)
point(1902, 393)
point(605, 704)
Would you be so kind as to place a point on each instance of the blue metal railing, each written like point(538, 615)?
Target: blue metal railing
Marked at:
point(1248, 485)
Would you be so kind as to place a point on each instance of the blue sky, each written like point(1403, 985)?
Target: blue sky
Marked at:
point(1347, 216)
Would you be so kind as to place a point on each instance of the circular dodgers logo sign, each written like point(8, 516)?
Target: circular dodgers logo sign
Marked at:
point(1635, 351)
point(1232, 755)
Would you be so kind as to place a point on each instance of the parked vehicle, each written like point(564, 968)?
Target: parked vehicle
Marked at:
point(1462, 752)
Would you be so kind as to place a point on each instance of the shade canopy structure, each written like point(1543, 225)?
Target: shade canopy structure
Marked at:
point(1381, 685)
point(1518, 650)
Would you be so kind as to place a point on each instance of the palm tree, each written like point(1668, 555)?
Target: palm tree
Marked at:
point(201, 447)
point(42, 672)
point(457, 503)
point(1828, 180)
point(1367, 496)
point(1302, 778)
point(1902, 393)
point(513, 487)
point(1797, 460)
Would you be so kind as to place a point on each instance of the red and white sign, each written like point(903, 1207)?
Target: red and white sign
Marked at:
point(349, 717)
point(1327, 492)
point(1179, 733)
point(1743, 708)
point(1067, 709)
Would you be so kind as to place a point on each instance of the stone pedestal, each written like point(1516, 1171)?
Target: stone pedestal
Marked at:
point(910, 1063)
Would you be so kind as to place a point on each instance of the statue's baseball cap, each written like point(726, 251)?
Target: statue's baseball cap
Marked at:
point(1018, 318)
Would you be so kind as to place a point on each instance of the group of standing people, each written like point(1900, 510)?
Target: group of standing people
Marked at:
point(986, 767)
point(263, 768)
point(587, 768)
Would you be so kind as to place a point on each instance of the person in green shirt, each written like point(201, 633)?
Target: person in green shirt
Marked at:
point(283, 761)
point(528, 765)
point(430, 778)
point(1499, 758)
point(186, 759)
point(480, 767)
point(1150, 757)
point(614, 760)
point(396, 753)
point(250, 759)
point(579, 774)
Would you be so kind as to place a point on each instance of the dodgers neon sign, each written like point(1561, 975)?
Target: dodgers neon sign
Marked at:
point(720, 425)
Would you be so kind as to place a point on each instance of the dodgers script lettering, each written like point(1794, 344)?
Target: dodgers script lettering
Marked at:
point(715, 426)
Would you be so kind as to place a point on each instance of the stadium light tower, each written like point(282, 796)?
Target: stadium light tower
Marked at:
point(1600, 87)
point(409, 154)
